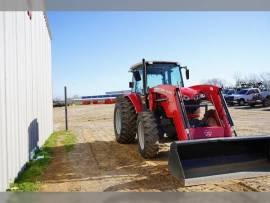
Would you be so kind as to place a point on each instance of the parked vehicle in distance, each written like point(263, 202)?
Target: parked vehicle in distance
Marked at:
point(243, 96)
point(61, 103)
point(263, 98)
point(58, 103)
point(227, 93)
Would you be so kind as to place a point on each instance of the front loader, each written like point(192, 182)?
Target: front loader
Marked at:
point(196, 119)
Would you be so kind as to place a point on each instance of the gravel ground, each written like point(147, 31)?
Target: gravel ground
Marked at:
point(98, 163)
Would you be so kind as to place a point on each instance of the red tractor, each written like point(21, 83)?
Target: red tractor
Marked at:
point(195, 118)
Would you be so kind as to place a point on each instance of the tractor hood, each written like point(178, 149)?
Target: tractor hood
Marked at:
point(189, 93)
point(198, 91)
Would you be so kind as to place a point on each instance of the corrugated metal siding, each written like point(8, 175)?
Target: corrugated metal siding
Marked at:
point(25, 90)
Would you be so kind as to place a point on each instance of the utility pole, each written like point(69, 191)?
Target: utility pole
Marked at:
point(66, 113)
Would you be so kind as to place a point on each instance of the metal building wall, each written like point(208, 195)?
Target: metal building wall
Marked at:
point(25, 90)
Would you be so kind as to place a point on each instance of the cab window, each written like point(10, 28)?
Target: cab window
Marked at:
point(138, 85)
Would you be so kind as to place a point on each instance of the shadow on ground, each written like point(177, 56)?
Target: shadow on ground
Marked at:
point(250, 108)
point(266, 109)
point(108, 161)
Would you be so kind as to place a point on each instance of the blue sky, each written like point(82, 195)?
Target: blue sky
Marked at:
point(92, 51)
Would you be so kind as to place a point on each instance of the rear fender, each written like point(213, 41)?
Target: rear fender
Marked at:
point(136, 101)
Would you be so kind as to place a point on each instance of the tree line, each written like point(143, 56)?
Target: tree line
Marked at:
point(239, 79)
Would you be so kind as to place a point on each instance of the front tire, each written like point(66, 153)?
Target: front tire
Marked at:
point(241, 102)
point(124, 121)
point(148, 135)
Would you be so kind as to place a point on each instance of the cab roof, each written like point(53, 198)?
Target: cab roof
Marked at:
point(137, 65)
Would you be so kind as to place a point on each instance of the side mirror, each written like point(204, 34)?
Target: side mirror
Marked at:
point(137, 75)
point(187, 74)
point(131, 85)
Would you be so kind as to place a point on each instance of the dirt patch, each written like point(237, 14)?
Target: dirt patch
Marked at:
point(98, 163)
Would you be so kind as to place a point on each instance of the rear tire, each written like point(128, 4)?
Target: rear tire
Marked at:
point(125, 118)
point(252, 105)
point(266, 102)
point(148, 134)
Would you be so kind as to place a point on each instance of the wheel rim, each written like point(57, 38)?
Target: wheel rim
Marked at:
point(141, 135)
point(241, 102)
point(118, 123)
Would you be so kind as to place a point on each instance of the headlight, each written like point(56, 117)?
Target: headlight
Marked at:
point(199, 96)
point(196, 97)
point(202, 96)
point(186, 98)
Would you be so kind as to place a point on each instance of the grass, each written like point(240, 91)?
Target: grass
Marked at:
point(69, 141)
point(30, 178)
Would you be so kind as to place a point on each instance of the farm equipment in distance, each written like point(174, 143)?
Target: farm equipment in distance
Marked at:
point(205, 145)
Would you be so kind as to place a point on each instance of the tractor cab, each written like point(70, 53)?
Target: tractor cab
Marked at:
point(153, 73)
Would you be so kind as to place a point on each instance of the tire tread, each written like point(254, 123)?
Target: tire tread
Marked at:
point(129, 117)
point(151, 134)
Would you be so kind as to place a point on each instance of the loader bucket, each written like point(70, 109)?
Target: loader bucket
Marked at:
point(199, 161)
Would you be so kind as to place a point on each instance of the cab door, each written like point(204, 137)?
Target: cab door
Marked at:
point(250, 94)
